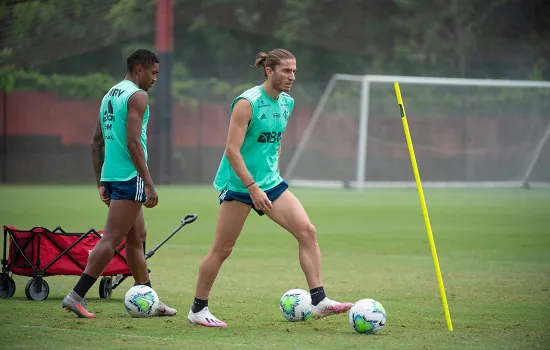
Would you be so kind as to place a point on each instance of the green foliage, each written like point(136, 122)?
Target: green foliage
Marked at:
point(424, 37)
point(190, 92)
point(92, 86)
point(141, 13)
point(41, 31)
point(538, 69)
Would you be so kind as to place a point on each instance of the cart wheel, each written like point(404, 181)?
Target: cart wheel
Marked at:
point(105, 288)
point(7, 286)
point(33, 292)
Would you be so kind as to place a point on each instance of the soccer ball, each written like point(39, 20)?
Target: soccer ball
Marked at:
point(141, 301)
point(295, 305)
point(367, 316)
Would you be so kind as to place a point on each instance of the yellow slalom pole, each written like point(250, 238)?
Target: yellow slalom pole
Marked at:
point(423, 204)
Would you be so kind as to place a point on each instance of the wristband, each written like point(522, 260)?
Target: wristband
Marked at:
point(253, 182)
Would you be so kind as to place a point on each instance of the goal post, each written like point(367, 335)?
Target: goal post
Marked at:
point(469, 132)
point(534, 159)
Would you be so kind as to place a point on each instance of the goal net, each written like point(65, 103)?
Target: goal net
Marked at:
point(465, 133)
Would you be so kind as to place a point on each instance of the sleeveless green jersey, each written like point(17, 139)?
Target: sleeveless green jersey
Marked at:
point(260, 148)
point(113, 115)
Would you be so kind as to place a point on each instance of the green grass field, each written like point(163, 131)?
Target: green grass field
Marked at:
point(493, 247)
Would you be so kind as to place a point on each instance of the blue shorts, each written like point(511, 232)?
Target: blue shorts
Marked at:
point(132, 189)
point(272, 194)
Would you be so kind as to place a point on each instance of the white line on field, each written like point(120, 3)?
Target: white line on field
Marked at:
point(210, 340)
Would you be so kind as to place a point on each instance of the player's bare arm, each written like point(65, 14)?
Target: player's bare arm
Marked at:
point(137, 104)
point(242, 114)
point(98, 157)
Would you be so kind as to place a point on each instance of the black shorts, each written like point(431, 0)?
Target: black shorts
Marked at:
point(132, 189)
point(272, 194)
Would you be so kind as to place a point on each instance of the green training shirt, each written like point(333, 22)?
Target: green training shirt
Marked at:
point(113, 116)
point(260, 148)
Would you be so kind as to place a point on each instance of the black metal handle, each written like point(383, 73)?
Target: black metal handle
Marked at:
point(189, 218)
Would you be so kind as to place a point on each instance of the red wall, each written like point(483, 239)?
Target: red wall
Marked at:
point(35, 113)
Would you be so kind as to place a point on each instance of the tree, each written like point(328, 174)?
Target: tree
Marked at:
point(219, 38)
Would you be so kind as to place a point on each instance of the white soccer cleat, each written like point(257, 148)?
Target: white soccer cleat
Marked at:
point(165, 310)
point(328, 307)
point(205, 318)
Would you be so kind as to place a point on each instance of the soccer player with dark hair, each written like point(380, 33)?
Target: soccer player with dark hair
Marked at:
point(119, 151)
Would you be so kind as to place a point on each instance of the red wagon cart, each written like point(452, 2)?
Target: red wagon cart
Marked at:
point(40, 252)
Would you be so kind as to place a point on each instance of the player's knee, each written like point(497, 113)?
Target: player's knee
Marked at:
point(134, 244)
point(101, 250)
point(222, 251)
point(110, 241)
point(309, 234)
point(136, 241)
